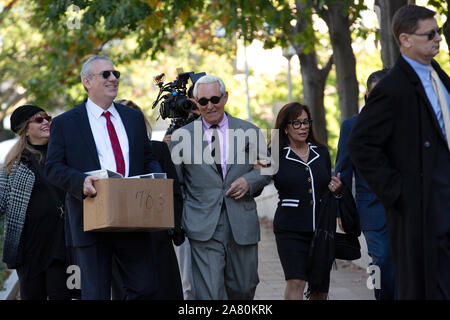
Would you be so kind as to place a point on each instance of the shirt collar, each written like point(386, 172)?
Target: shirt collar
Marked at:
point(422, 70)
point(222, 124)
point(97, 111)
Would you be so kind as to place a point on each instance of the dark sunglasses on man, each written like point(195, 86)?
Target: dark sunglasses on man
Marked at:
point(430, 35)
point(40, 119)
point(213, 99)
point(107, 73)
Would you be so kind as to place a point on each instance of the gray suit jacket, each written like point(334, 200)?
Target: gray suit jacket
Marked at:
point(204, 189)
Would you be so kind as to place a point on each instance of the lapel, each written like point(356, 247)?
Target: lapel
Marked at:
point(129, 128)
point(291, 155)
point(197, 126)
point(415, 81)
point(206, 149)
point(86, 132)
point(232, 125)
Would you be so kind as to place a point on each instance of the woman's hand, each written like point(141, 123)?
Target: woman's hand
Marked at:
point(259, 164)
point(335, 185)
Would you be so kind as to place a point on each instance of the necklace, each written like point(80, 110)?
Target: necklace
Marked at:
point(298, 152)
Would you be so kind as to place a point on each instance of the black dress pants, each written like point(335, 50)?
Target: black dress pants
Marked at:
point(50, 283)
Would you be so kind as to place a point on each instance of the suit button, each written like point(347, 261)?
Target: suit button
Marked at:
point(307, 169)
point(310, 190)
point(309, 179)
point(427, 144)
point(311, 202)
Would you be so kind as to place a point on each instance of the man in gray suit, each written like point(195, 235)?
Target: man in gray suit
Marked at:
point(214, 158)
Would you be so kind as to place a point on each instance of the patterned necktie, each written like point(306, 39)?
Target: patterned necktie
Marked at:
point(442, 103)
point(215, 145)
point(120, 163)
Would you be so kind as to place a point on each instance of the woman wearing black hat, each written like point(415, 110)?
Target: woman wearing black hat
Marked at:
point(34, 226)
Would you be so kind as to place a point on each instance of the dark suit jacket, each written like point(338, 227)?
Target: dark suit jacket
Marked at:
point(395, 145)
point(72, 151)
point(169, 278)
point(370, 210)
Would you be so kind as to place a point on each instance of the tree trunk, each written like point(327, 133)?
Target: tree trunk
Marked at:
point(385, 10)
point(446, 26)
point(313, 78)
point(340, 36)
point(3, 134)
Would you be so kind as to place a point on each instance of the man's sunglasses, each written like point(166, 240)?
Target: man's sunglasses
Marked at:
point(40, 119)
point(430, 35)
point(107, 73)
point(213, 99)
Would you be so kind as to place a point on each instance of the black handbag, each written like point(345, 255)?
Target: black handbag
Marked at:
point(347, 246)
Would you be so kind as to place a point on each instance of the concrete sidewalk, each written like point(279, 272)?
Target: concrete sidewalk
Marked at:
point(348, 281)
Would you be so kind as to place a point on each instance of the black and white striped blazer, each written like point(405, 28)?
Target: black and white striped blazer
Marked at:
point(15, 193)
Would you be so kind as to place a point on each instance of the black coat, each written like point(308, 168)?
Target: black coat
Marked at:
point(169, 278)
point(300, 186)
point(394, 145)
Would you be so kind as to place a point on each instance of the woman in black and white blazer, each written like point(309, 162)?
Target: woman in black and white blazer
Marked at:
point(34, 227)
point(304, 175)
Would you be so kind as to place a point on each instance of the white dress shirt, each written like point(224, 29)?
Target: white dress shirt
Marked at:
point(101, 136)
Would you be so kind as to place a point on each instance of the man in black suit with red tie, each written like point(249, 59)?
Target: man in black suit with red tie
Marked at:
point(400, 144)
point(100, 134)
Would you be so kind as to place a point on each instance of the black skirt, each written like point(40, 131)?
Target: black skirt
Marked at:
point(293, 248)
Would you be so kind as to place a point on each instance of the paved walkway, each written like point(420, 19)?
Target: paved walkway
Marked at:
point(348, 281)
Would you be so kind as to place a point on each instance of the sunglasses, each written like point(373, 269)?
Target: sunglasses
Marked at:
point(297, 124)
point(430, 35)
point(40, 119)
point(107, 73)
point(213, 99)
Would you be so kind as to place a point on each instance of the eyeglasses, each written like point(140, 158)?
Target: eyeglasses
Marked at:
point(40, 119)
point(430, 35)
point(297, 124)
point(213, 99)
point(107, 73)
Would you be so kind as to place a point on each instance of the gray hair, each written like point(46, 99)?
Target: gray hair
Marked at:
point(209, 79)
point(86, 70)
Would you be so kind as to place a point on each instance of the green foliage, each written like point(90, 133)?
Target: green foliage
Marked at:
point(440, 5)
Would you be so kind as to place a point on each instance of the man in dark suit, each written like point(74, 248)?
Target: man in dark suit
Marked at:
point(371, 212)
point(400, 145)
point(99, 134)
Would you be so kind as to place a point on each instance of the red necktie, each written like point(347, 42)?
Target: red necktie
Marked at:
point(120, 163)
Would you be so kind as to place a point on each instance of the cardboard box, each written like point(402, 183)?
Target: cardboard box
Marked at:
point(129, 205)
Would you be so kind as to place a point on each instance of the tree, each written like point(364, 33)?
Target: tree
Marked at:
point(17, 60)
point(336, 14)
point(385, 10)
point(442, 8)
point(214, 25)
point(313, 77)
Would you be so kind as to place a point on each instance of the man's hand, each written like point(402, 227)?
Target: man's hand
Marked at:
point(88, 186)
point(238, 188)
